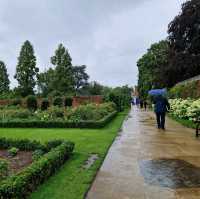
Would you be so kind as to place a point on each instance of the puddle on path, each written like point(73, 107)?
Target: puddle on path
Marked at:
point(170, 173)
point(90, 161)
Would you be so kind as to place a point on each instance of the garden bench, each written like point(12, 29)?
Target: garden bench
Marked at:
point(197, 122)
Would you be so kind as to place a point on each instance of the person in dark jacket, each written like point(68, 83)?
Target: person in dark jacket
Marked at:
point(161, 107)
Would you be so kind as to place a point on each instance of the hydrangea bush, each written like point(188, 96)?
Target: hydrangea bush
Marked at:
point(185, 108)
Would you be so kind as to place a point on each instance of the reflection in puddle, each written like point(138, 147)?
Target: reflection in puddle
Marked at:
point(171, 173)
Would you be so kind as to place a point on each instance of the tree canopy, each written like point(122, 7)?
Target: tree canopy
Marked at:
point(4, 80)
point(26, 70)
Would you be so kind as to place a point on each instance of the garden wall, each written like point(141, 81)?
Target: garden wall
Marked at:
point(78, 100)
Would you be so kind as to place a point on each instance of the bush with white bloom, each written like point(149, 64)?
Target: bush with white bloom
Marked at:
point(185, 108)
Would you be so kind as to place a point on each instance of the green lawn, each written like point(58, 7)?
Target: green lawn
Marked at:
point(71, 181)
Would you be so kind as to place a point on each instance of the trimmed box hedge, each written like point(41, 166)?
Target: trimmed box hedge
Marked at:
point(20, 186)
point(58, 124)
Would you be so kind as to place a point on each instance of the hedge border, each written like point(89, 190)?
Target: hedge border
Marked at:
point(25, 182)
point(59, 124)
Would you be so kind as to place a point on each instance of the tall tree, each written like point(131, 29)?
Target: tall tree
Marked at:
point(26, 70)
point(184, 39)
point(64, 78)
point(80, 77)
point(152, 68)
point(46, 82)
point(4, 80)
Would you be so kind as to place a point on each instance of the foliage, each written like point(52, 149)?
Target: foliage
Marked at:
point(80, 77)
point(64, 79)
point(3, 169)
point(31, 102)
point(184, 91)
point(185, 43)
point(4, 80)
point(45, 104)
point(72, 179)
point(185, 108)
point(120, 96)
point(152, 68)
point(20, 185)
point(37, 154)
point(13, 151)
point(17, 102)
point(58, 101)
point(68, 101)
point(26, 70)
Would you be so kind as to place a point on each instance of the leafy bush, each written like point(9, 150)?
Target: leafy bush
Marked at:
point(56, 112)
point(44, 104)
point(68, 101)
point(13, 151)
point(37, 154)
point(17, 102)
point(53, 143)
point(22, 144)
point(185, 109)
point(58, 101)
point(184, 91)
point(31, 102)
point(3, 169)
point(22, 184)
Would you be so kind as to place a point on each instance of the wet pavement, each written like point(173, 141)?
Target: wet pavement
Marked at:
point(147, 163)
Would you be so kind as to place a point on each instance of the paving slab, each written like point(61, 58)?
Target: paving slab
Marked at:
point(147, 163)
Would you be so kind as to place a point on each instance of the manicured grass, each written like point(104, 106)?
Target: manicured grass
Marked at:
point(72, 181)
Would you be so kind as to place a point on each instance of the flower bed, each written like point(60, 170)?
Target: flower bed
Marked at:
point(187, 109)
point(85, 116)
point(26, 181)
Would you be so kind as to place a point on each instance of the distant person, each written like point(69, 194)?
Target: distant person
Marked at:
point(145, 105)
point(141, 104)
point(161, 107)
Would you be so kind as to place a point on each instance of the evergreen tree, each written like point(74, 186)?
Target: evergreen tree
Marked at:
point(64, 78)
point(4, 80)
point(26, 70)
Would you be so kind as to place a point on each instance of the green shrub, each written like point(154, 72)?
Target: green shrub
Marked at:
point(22, 184)
point(22, 144)
point(3, 169)
point(17, 102)
point(37, 154)
point(56, 112)
point(58, 101)
point(13, 151)
point(53, 143)
point(68, 101)
point(31, 102)
point(45, 104)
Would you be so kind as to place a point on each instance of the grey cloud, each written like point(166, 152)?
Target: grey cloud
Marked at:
point(106, 35)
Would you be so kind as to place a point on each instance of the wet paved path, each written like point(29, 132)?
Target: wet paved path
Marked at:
point(147, 163)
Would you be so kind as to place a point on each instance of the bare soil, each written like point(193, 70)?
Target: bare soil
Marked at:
point(17, 163)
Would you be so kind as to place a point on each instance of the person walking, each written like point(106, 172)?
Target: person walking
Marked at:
point(145, 105)
point(161, 107)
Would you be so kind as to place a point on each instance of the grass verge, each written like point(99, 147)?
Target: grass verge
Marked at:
point(72, 181)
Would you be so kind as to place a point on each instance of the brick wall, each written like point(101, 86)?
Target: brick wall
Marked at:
point(87, 99)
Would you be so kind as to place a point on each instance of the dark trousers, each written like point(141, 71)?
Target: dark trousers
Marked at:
point(160, 120)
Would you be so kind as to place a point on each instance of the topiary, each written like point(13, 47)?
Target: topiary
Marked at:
point(58, 101)
point(31, 102)
point(45, 104)
point(13, 151)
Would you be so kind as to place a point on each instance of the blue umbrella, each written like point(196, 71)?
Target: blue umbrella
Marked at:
point(156, 92)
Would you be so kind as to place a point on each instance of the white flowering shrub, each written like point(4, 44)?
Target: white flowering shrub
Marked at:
point(185, 108)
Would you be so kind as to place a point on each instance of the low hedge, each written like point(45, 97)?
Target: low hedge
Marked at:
point(58, 124)
point(20, 186)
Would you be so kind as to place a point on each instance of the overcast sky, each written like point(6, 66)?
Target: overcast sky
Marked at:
point(106, 35)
